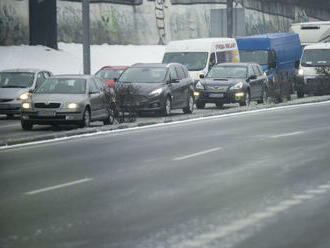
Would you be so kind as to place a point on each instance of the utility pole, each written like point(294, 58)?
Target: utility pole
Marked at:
point(86, 40)
point(229, 18)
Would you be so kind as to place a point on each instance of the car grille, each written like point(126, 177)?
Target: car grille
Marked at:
point(217, 88)
point(48, 105)
point(58, 117)
point(5, 100)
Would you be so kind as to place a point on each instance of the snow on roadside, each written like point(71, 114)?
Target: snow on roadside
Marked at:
point(68, 59)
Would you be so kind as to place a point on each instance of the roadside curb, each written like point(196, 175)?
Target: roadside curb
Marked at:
point(21, 140)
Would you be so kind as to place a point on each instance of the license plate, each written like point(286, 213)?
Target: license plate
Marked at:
point(216, 95)
point(46, 113)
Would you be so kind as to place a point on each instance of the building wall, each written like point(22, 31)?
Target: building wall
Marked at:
point(14, 22)
point(147, 22)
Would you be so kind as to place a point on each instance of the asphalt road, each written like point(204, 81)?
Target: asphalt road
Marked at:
point(254, 180)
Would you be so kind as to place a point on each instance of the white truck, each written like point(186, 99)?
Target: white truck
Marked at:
point(312, 32)
point(199, 55)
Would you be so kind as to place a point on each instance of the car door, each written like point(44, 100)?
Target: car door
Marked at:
point(95, 99)
point(107, 95)
point(253, 82)
point(183, 86)
point(259, 81)
point(174, 87)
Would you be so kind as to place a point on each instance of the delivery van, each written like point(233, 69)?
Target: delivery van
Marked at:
point(312, 32)
point(313, 73)
point(278, 54)
point(199, 55)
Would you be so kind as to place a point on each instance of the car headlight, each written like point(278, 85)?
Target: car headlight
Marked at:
point(24, 96)
point(156, 92)
point(237, 86)
point(72, 105)
point(199, 86)
point(300, 72)
point(26, 105)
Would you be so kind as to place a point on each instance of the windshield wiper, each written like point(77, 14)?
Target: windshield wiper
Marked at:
point(13, 86)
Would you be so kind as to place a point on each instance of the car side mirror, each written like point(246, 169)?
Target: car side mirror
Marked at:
point(31, 90)
point(272, 64)
point(296, 64)
point(252, 77)
point(201, 76)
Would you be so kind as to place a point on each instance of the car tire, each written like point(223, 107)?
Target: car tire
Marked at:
point(167, 107)
point(110, 119)
point(219, 105)
point(190, 105)
point(300, 94)
point(26, 125)
point(200, 105)
point(85, 122)
point(246, 101)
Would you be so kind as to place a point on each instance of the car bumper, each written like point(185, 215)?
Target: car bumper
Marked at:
point(204, 96)
point(313, 84)
point(13, 107)
point(54, 117)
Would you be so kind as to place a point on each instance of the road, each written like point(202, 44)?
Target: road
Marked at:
point(252, 180)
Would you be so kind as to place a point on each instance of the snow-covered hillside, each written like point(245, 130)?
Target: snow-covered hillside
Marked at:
point(68, 59)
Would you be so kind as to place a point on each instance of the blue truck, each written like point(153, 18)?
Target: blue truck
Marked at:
point(279, 55)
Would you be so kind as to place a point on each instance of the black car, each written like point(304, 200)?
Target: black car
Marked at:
point(157, 87)
point(232, 83)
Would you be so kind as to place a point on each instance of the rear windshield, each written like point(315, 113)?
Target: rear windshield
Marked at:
point(316, 57)
point(109, 74)
point(227, 72)
point(62, 86)
point(194, 61)
point(143, 75)
point(16, 79)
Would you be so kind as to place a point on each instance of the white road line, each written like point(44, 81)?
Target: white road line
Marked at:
point(58, 186)
point(13, 125)
point(198, 153)
point(214, 117)
point(203, 240)
point(286, 134)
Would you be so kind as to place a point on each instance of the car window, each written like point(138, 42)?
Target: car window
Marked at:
point(179, 72)
point(260, 72)
point(40, 79)
point(100, 83)
point(46, 74)
point(93, 87)
point(250, 71)
point(255, 70)
point(212, 60)
point(173, 75)
point(185, 70)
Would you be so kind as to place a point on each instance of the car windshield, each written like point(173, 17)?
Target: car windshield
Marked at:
point(62, 86)
point(109, 74)
point(16, 79)
point(260, 57)
point(227, 72)
point(194, 61)
point(316, 57)
point(144, 75)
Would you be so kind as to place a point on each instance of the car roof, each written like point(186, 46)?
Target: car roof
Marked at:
point(32, 70)
point(318, 46)
point(81, 76)
point(117, 67)
point(154, 65)
point(236, 64)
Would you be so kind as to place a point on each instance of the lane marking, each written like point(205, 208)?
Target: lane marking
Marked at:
point(214, 117)
point(58, 186)
point(203, 240)
point(12, 125)
point(198, 153)
point(286, 134)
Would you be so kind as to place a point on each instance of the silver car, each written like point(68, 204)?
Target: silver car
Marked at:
point(69, 99)
point(14, 86)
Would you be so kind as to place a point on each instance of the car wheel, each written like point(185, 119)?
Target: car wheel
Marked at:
point(110, 119)
point(167, 107)
point(190, 105)
point(200, 105)
point(300, 94)
point(246, 101)
point(86, 119)
point(219, 105)
point(26, 125)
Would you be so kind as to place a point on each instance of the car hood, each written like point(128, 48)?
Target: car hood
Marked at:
point(12, 93)
point(143, 88)
point(74, 98)
point(221, 82)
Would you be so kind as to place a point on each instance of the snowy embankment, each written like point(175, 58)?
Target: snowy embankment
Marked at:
point(68, 58)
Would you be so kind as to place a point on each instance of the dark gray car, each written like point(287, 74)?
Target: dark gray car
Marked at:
point(159, 87)
point(14, 86)
point(232, 83)
point(68, 99)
